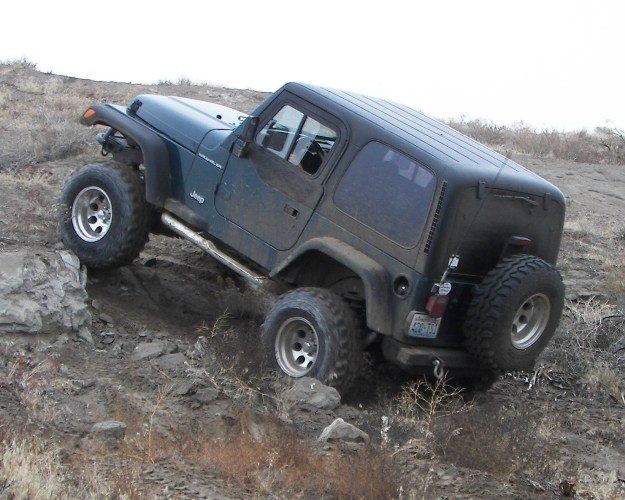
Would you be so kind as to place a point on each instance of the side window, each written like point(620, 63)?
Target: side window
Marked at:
point(387, 191)
point(297, 138)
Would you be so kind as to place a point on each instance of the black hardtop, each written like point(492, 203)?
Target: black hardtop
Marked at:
point(430, 141)
point(410, 125)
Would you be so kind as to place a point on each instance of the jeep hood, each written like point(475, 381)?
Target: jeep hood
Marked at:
point(185, 121)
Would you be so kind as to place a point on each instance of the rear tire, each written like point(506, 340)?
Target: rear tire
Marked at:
point(514, 313)
point(312, 332)
point(106, 220)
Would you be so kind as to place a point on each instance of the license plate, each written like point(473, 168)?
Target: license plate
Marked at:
point(424, 327)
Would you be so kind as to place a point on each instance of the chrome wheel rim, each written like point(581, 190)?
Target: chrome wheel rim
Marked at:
point(92, 214)
point(530, 321)
point(297, 346)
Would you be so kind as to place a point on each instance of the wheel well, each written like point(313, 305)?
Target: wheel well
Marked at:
point(152, 152)
point(316, 269)
point(123, 148)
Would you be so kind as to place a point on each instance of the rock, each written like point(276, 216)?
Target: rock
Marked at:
point(206, 395)
point(347, 412)
point(309, 391)
point(339, 430)
point(117, 350)
point(199, 349)
point(62, 340)
point(172, 362)
point(107, 337)
point(181, 388)
point(148, 350)
point(109, 429)
point(106, 318)
point(42, 293)
point(85, 334)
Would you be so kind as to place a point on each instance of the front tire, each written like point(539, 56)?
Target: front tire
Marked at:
point(514, 313)
point(106, 218)
point(313, 332)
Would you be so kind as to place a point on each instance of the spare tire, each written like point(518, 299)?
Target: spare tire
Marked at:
point(514, 313)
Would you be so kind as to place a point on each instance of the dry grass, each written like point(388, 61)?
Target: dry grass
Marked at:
point(31, 468)
point(500, 441)
point(32, 382)
point(614, 270)
point(590, 346)
point(39, 113)
point(286, 465)
point(603, 146)
point(43, 116)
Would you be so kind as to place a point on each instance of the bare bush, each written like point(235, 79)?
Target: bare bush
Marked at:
point(590, 345)
point(613, 142)
point(603, 146)
point(423, 400)
point(511, 437)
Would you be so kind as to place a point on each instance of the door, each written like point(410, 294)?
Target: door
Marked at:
point(273, 190)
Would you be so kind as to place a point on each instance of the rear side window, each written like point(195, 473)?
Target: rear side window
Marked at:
point(388, 192)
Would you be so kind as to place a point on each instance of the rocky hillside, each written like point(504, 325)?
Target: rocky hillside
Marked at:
point(142, 382)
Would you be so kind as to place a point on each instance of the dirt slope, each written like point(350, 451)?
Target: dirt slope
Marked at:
point(518, 440)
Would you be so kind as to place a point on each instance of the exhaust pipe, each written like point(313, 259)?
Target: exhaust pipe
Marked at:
point(209, 247)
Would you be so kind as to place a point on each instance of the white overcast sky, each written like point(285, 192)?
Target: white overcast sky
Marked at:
point(556, 64)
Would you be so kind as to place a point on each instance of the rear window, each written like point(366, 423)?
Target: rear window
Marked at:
point(388, 192)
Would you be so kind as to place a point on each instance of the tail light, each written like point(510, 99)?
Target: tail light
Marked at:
point(436, 305)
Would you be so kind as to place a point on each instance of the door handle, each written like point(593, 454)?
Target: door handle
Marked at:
point(293, 212)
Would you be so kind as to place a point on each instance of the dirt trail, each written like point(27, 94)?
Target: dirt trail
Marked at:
point(174, 294)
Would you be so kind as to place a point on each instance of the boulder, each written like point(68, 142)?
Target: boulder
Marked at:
point(176, 363)
point(109, 429)
point(339, 430)
point(42, 292)
point(311, 392)
point(146, 351)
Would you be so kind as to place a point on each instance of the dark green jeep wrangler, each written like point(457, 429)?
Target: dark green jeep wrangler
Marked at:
point(382, 224)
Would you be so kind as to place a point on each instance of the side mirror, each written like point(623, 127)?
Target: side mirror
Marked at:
point(248, 129)
point(245, 134)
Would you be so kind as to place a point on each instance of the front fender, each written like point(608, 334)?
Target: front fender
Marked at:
point(374, 277)
point(153, 148)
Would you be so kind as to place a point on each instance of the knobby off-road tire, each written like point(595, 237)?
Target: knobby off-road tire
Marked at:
point(514, 313)
point(106, 220)
point(313, 332)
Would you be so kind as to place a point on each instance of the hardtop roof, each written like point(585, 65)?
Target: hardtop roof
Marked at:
point(424, 132)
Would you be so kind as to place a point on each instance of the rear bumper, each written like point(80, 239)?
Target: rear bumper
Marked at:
point(419, 358)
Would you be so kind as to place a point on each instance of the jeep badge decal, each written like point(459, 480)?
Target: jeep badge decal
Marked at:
point(197, 197)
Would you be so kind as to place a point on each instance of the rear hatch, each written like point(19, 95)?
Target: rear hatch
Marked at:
point(479, 220)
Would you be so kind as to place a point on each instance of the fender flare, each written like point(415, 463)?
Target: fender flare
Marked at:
point(374, 277)
point(153, 147)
